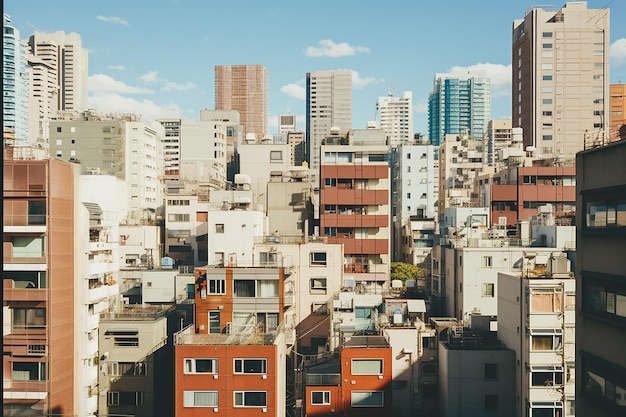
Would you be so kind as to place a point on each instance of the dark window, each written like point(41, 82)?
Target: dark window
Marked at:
point(491, 371)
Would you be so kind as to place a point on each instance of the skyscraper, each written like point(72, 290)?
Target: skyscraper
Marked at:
point(58, 78)
point(15, 82)
point(395, 115)
point(457, 105)
point(328, 105)
point(244, 88)
point(561, 77)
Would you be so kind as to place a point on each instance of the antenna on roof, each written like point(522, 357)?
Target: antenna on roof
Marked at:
point(390, 87)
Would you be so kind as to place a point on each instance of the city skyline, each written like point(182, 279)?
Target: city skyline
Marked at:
point(133, 65)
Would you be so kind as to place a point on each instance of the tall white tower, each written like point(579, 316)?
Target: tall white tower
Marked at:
point(395, 117)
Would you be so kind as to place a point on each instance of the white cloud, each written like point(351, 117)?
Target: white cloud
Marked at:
point(294, 90)
point(112, 19)
point(172, 86)
point(117, 67)
point(330, 49)
point(360, 83)
point(499, 74)
point(105, 102)
point(618, 51)
point(420, 108)
point(105, 83)
point(150, 77)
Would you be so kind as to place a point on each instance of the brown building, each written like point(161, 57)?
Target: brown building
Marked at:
point(358, 385)
point(601, 281)
point(618, 112)
point(244, 88)
point(39, 341)
point(518, 192)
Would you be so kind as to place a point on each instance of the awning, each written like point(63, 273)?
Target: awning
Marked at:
point(95, 211)
point(416, 306)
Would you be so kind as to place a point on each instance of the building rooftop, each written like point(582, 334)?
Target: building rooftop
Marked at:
point(187, 336)
point(367, 341)
point(136, 312)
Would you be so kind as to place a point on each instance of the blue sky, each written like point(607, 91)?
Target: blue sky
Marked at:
point(156, 58)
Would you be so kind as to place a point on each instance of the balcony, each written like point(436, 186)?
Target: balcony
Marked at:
point(355, 220)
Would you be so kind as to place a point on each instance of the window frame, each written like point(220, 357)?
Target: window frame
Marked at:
point(243, 398)
point(313, 261)
point(382, 398)
point(325, 398)
point(242, 367)
point(187, 396)
point(192, 368)
point(381, 361)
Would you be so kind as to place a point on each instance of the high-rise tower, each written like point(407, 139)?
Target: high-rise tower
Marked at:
point(395, 115)
point(15, 82)
point(244, 88)
point(561, 77)
point(458, 104)
point(328, 105)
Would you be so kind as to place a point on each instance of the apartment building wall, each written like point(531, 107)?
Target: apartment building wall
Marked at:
point(39, 266)
point(618, 112)
point(600, 280)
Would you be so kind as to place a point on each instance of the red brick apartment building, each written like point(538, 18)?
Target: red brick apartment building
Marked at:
point(516, 194)
point(38, 288)
point(232, 362)
point(358, 385)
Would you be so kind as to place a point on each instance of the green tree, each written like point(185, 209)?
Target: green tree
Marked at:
point(403, 271)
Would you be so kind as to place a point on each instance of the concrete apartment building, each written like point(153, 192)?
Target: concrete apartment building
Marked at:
point(561, 77)
point(261, 160)
point(58, 79)
point(134, 374)
point(122, 146)
point(498, 135)
point(395, 117)
point(15, 83)
point(40, 323)
point(475, 374)
point(328, 105)
point(415, 179)
point(244, 88)
point(355, 202)
point(288, 205)
point(601, 281)
point(618, 112)
point(536, 319)
point(458, 104)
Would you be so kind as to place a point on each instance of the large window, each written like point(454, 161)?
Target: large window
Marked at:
point(363, 313)
point(600, 214)
point(26, 279)
point(318, 285)
point(29, 318)
point(546, 339)
point(367, 366)
point(28, 246)
point(317, 258)
point(200, 365)
point(200, 399)
point(251, 288)
point(251, 366)
point(245, 288)
point(320, 397)
point(178, 217)
point(127, 368)
point(367, 399)
point(29, 371)
point(124, 398)
point(488, 289)
point(36, 212)
point(250, 398)
point(215, 325)
point(546, 376)
point(546, 301)
point(216, 286)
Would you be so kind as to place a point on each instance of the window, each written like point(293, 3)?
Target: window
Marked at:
point(215, 326)
point(59, 129)
point(36, 212)
point(367, 399)
point(178, 217)
point(317, 258)
point(29, 371)
point(330, 231)
point(330, 182)
point(200, 366)
point(124, 338)
point(363, 312)
point(367, 366)
point(250, 366)
point(546, 101)
point(546, 339)
point(488, 289)
point(250, 398)
point(276, 156)
point(200, 399)
point(491, 402)
point(245, 288)
point(27, 279)
point(330, 208)
point(29, 318)
point(546, 301)
point(268, 258)
point(267, 288)
point(318, 285)
point(216, 285)
point(490, 371)
point(547, 34)
point(124, 398)
point(487, 261)
point(320, 397)
point(28, 246)
point(219, 228)
point(546, 376)
point(127, 368)
point(546, 137)
point(319, 308)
